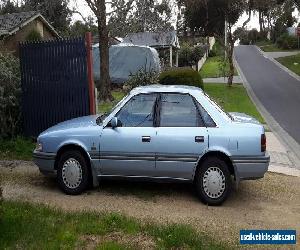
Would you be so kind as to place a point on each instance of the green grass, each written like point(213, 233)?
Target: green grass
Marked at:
point(107, 106)
point(211, 68)
point(291, 62)
point(28, 226)
point(233, 99)
point(18, 149)
point(268, 46)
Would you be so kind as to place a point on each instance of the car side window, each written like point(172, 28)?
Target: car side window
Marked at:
point(209, 122)
point(179, 110)
point(138, 111)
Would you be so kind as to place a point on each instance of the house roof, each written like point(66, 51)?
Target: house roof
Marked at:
point(11, 23)
point(152, 39)
point(111, 40)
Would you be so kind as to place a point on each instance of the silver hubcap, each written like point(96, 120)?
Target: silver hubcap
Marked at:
point(214, 182)
point(72, 173)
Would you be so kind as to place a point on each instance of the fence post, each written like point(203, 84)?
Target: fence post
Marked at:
point(88, 40)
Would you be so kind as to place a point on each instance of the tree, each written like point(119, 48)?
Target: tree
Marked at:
point(10, 93)
point(190, 55)
point(8, 6)
point(79, 28)
point(98, 7)
point(207, 17)
point(140, 16)
point(56, 12)
point(120, 18)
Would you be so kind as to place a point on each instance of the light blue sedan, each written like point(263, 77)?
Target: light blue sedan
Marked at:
point(169, 133)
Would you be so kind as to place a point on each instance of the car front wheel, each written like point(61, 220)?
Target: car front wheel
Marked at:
point(72, 173)
point(213, 181)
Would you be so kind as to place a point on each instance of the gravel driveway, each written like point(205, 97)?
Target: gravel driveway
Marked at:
point(273, 202)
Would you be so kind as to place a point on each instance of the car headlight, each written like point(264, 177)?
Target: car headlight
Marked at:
point(39, 146)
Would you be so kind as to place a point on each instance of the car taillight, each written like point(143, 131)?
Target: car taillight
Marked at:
point(263, 143)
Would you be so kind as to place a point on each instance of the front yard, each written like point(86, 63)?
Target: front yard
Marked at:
point(19, 148)
point(291, 62)
point(233, 99)
point(28, 226)
point(133, 215)
point(212, 68)
point(268, 46)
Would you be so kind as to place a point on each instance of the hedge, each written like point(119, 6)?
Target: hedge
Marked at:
point(181, 76)
point(285, 41)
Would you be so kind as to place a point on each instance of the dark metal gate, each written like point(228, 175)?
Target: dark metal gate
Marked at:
point(55, 84)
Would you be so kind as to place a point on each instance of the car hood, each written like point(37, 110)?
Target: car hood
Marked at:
point(241, 117)
point(85, 121)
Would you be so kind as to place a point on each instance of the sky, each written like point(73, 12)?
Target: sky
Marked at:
point(85, 11)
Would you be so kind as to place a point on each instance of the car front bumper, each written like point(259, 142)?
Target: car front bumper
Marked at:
point(250, 167)
point(45, 162)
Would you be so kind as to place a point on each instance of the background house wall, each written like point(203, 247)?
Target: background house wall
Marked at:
point(11, 43)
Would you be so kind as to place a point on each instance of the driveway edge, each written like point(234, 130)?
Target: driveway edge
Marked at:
point(293, 148)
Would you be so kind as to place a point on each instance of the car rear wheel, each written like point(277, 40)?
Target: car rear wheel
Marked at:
point(72, 173)
point(213, 181)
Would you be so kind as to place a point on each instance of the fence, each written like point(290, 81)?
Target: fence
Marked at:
point(55, 85)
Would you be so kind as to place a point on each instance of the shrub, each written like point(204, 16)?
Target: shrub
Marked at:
point(10, 92)
point(216, 50)
point(190, 55)
point(285, 41)
point(142, 77)
point(33, 35)
point(181, 76)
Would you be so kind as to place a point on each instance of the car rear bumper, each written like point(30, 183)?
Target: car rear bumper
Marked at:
point(45, 162)
point(250, 167)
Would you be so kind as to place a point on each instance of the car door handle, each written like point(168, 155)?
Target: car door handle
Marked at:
point(146, 138)
point(199, 138)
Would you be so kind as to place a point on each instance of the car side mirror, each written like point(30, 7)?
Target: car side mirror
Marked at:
point(115, 122)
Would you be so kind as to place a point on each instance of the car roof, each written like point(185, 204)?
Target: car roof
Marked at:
point(167, 88)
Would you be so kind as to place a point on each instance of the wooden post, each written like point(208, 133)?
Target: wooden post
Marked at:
point(171, 56)
point(88, 41)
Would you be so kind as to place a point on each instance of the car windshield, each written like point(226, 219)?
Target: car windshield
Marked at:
point(101, 118)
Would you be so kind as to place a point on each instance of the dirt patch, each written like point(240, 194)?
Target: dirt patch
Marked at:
point(139, 241)
point(270, 203)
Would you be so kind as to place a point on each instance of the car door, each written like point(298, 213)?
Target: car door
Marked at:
point(181, 136)
point(128, 150)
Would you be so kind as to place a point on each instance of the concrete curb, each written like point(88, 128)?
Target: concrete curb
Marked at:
point(287, 70)
point(284, 170)
point(293, 148)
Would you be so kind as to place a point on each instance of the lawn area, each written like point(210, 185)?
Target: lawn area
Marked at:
point(233, 99)
point(106, 106)
point(268, 46)
point(211, 68)
point(28, 226)
point(291, 62)
point(17, 149)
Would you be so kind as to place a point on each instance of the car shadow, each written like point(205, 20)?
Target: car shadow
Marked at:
point(145, 189)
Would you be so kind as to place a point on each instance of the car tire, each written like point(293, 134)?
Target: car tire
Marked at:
point(73, 173)
point(213, 181)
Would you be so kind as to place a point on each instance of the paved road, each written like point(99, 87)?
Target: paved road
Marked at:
point(278, 92)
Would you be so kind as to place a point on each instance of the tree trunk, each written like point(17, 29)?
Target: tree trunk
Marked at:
point(230, 59)
point(1, 202)
point(105, 84)
point(260, 19)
